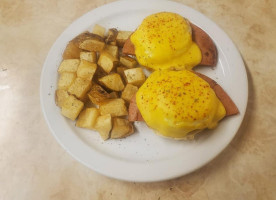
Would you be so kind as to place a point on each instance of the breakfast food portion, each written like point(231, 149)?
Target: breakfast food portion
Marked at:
point(164, 41)
point(103, 86)
point(226, 101)
point(175, 103)
point(202, 39)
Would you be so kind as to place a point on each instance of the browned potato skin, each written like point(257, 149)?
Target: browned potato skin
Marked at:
point(71, 51)
point(86, 36)
point(97, 94)
point(201, 38)
point(111, 36)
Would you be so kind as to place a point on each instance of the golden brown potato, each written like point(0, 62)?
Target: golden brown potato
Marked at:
point(107, 62)
point(128, 61)
point(86, 36)
point(104, 125)
point(69, 65)
point(87, 118)
point(111, 36)
point(122, 37)
point(113, 43)
point(121, 128)
point(97, 94)
point(115, 107)
point(71, 107)
point(99, 74)
point(113, 82)
point(112, 50)
point(65, 80)
point(99, 30)
point(72, 51)
point(90, 56)
point(135, 76)
point(89, 104)
point(120, 70)
point(89, 42)
point(128, 92)
point(86, 70)
point(80, 87)
point(60, 97)
point(92, 45)
point(114, 95)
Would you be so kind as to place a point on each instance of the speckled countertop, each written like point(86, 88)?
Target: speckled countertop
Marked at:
point(34, 166)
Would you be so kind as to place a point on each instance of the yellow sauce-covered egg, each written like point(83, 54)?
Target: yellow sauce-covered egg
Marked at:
point(164, 41)
point(175, 103)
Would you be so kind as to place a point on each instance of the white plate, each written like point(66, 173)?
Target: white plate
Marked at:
point(144, 156)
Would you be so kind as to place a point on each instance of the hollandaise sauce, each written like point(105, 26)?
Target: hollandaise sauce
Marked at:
point(164, 41)
point(174, 103)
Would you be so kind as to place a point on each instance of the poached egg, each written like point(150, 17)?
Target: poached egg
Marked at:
point(164, 41)
point(178, 103)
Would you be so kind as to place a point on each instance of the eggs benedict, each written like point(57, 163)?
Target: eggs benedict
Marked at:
point(178, 103)
point(164, 41)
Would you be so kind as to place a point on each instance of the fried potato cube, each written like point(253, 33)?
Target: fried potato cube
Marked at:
point(107, 62)
point(86, 36)
point(111, 36)
point(87, 118)
point(97, 94)
point(99, 30)
point(65, 80)
point(121, 128)
point(128, 92)
point(71, 107)
point(120, 70)
point(113, 95)
point(135, 76)
point(72, 51)
point(122, 37)
point(113, 43)
point(113, 82)
point(69, 65)
point(112, 50)
point(115, 107)
point(92, 45)
point(104, 125)
point(89, 104)
point(90, 56)
point(128, 61)
point(86, 70)
point(80, 87)
point(90, 42)
point(60, 97)
point(99, 74)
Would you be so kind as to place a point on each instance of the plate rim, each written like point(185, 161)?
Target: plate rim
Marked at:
point(130, 177)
